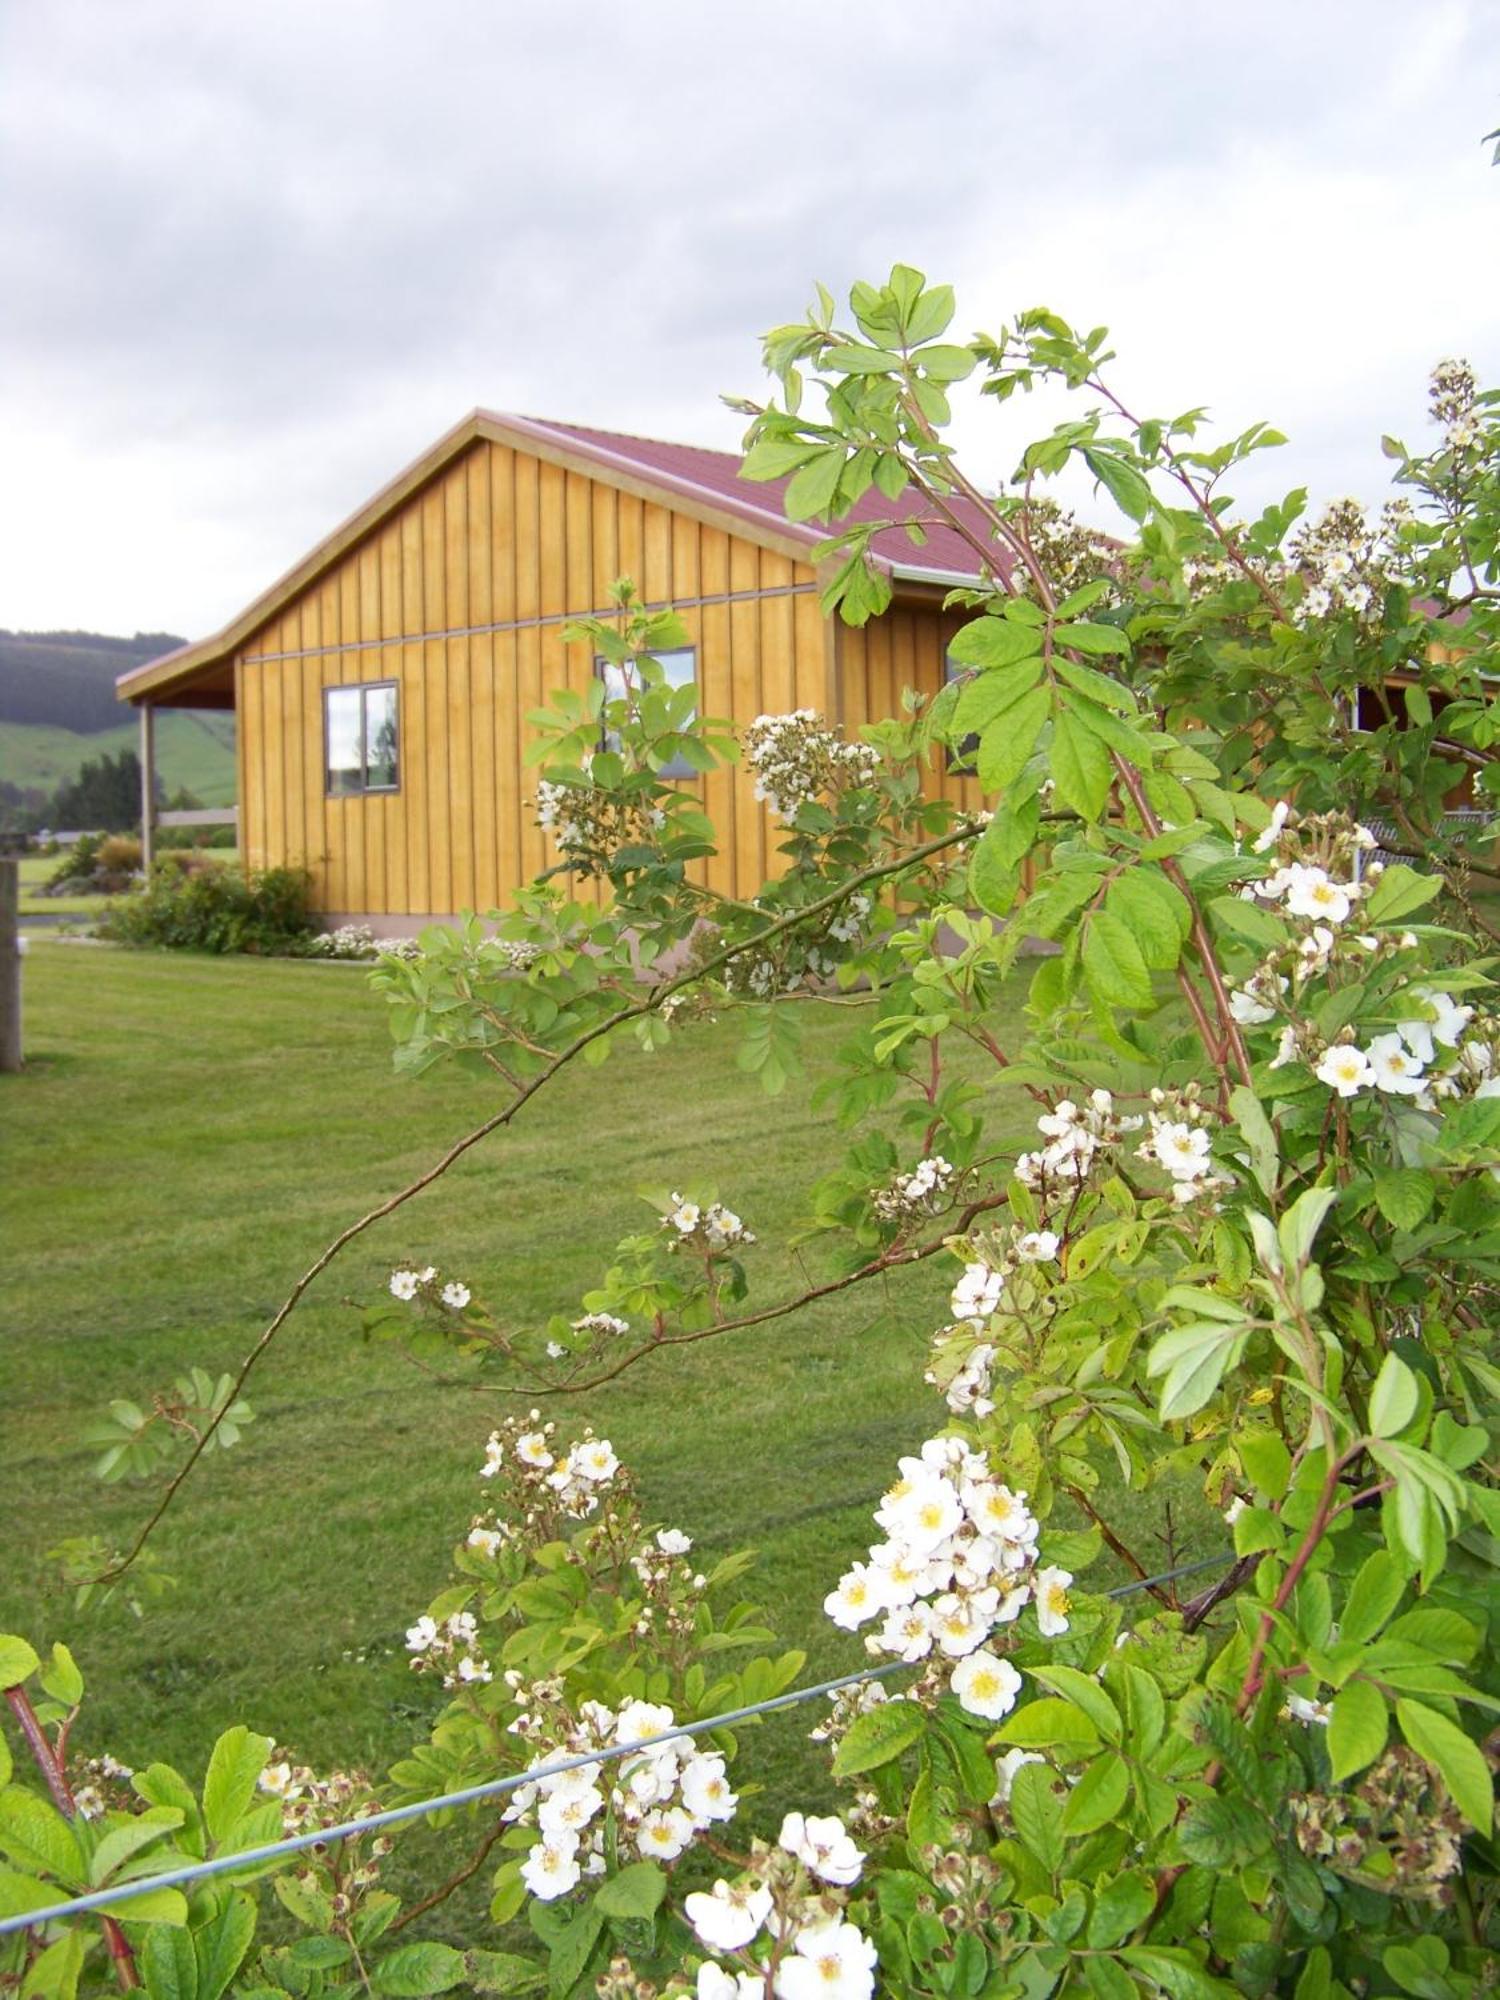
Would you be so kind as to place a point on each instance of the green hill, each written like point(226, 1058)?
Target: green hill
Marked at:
point(68, 678)
point(194, 750)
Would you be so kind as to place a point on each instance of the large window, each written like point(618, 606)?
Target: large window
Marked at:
point(360, 737)
point(681, 670)
point(960, 755)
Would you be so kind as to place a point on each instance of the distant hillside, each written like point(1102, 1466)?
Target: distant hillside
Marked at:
point(67, 679)
point(194, 750)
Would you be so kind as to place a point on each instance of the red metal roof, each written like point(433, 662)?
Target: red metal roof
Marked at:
point(715, 475)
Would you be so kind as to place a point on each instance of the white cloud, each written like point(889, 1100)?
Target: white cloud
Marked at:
point(264, 254)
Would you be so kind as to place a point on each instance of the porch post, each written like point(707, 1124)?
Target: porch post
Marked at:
point(10, 968)
point(148, 785)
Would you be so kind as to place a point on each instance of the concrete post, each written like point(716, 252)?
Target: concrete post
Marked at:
point(148, 786)
point(10, 966)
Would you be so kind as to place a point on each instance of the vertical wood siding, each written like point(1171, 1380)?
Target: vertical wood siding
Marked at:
point(503, 539)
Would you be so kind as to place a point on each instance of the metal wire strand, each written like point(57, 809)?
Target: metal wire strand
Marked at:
point(109, 1899)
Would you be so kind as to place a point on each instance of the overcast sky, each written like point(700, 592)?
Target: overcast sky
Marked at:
point(255, 255)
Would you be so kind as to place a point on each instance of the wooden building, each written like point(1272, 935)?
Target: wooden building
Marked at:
point(380, 688)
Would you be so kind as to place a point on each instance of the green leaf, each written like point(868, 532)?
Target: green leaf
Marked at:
point(1085, 1693)
point(987, 697)
point(169, 1964)
point(811, 490)
point(1194, 1359)
point(1299, 1227)
point(1259, 1134)
point(1378, 1587)
point(36, 1837)
point(1456, 1758)
point(635, 1892)
point(117, 1846)
point(1395, 1398)
point(1080, 767)
point(222, 1942)
point(1098, 1797)
point(1357, 1727)
point(1120, 1906)
point(237, 1761)
point(1036, 1815)
point(18, 1661)
point(1154, 913)
point(504, 1972)
point(20, 1893)
point(1128, 488)
point(1399, 892)
point(1099, 640)
point(1049, 1724)
point(878, 1736)
point(1404, 1196)
point(1267, 1462)
point(570, 1948)
point(151, 1906)
point(989, 643)
point(1177, 1973)
point(1112, 963)
point(419, 1968)
point(61, 1678)
point(1007, 744)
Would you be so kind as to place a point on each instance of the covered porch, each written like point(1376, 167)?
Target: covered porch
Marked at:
point(178, 680)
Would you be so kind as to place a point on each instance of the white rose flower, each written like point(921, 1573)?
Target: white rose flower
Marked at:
point(823, 1847)
point(1393, 1067)
point(595, 1460)
point(662, 1835)
point(925, 1515)
point(1311, 892)
point(728, 1916)
point(832, 1961)
point(861, 1595)
point(551, 1868)
point(1344, 1069)
point(986, 1686)
point(1051, 1590)
point(421, 1636)
point(673, 1542)
point(1037, 1246)
point(705, 1789)
point(958, 1624)
point(404, 1285)
point(907, 1633)
point(455, 1295)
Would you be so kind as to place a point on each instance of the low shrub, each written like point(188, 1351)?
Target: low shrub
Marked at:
point(214, 908)
point(358, 941)
point(98, 864)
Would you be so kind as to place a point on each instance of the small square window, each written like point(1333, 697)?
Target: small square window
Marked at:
point(361, 739)
point(961, 755)
point(681, 670)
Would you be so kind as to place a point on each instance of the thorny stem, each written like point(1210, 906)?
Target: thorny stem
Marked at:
point(650, 1003)
point(1112, 1540)
point(455, 1881)
point(50, 1766)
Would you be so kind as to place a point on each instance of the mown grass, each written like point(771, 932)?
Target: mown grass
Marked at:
point(186, 1136)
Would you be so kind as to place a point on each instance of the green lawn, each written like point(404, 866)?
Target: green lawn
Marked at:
point(187, 1134)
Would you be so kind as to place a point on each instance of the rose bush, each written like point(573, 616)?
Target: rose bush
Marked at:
point(1254, 1242)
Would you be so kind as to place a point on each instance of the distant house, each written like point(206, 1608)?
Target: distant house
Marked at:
point(381, 687)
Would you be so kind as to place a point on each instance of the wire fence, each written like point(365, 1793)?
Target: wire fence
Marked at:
point(110, 1899)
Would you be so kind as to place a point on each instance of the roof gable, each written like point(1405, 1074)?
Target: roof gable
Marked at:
point(699, 481)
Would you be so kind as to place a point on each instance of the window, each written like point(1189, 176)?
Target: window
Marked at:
point(360, 739)
point(681, 670)
point(960, 755)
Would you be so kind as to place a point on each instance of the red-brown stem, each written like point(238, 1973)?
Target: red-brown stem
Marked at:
point(1316, 1529)
point(1232, 1041)
point(47, 1763)
point(1112, 1540)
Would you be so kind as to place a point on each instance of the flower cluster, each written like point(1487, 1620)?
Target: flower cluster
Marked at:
point(921, 1192)
point(1076, 1135)
point(539, 1481)
point(960, 1560)
point(591, 825)
point(409, 1285)
point(657, 1801)
point(1406, 1062)
point(103, 1784)
point(797, 760)
point(708, 1228)
point(1181, 1143)
point(308, 1801)
point(451, 1648)
point(1397, 1830)
point(1451, 401)
point(512, 954)
point(1071, 554)
point(989, 1283)
point(1344, 564)
point(793, 1898)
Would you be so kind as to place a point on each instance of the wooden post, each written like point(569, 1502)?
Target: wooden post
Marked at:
point(10, 966)
point(148, 785)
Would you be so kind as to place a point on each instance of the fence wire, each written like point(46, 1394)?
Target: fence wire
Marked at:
point(108, 1900)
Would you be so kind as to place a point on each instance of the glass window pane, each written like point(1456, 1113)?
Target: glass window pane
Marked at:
point(382, 763)
point(681, 668)
point(341, 709)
